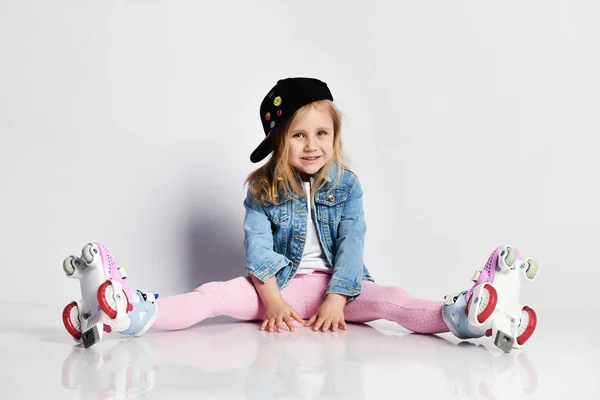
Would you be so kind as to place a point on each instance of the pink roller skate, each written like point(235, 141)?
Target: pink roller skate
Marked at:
point(491, 307)
point(107, 302)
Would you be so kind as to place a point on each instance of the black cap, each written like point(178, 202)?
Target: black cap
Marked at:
point(286, 97)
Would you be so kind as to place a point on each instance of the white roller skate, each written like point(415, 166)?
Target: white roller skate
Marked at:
point(491, 307)
point(107, 302)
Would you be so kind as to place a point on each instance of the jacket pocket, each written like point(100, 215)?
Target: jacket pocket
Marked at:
point(329, 205)
point(278, 213)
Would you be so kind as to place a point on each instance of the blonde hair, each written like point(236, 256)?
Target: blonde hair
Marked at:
point(277, 174)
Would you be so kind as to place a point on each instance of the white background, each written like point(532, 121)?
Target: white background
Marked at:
point(469, 123)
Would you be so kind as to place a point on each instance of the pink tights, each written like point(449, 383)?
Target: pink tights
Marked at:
point(238, 298)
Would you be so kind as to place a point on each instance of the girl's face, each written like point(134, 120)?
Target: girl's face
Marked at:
point(310, 141)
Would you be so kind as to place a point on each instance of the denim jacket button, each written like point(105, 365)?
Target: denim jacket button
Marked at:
point(331, 197)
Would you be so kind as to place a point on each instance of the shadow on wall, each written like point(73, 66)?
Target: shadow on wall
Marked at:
point(215, 249)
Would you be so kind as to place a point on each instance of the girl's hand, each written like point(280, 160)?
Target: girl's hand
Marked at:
point(330, 314)
point(279, 312)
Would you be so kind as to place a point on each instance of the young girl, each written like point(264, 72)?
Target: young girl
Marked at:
point(304, 238)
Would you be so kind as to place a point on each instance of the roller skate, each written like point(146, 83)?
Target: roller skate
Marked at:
point(491, 307)
point(107, 302)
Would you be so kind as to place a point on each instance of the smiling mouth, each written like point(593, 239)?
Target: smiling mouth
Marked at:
point(310, 158)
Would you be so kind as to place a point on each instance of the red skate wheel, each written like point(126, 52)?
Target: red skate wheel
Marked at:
point(107, 301)
point(527, 325)
point(70, 318)
point(487, 304)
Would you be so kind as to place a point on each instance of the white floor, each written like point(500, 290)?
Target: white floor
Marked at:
point(224, 359)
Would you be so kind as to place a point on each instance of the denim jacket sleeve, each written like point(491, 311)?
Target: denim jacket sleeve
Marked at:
point(262, 260)
point(348, 263)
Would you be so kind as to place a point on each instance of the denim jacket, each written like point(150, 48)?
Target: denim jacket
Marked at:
point(275, 234)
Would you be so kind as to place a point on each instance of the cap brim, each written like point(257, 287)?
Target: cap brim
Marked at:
point(262, 151)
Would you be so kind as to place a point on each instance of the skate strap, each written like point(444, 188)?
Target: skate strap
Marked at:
point(449, 299)
point(148, 297)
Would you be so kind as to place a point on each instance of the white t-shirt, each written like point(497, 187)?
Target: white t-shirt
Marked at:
point(313, 257)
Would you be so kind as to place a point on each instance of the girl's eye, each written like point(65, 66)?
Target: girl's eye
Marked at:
point(321, 133)
point(298, 135)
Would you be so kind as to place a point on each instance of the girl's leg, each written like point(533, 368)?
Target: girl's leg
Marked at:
point(235, 298)
point(394, 304)
point(380, 302)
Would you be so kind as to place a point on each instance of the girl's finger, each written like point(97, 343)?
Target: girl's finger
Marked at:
point(297, 316)
point(279, 322)
point(270, 325)
point(334, 325)
point(343, 325)
point(319, 323)
point(326, 325)
point(264, 324)
point(290, 323)
point(311, 320)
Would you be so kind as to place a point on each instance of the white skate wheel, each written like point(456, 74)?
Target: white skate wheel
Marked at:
point(507, 258)
point(68, 266)
point(532, 269)
point(89, 252)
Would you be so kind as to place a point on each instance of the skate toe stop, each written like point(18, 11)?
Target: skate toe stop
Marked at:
point(504, 342)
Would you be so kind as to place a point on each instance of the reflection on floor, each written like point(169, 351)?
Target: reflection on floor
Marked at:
point(230, 359)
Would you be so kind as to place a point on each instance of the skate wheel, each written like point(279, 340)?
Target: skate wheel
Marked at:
point(532, 269)
point(107, 301)
point(526, 325)
point(507, 258)
point(69, 265)
point(70, 318)
point(89, 252)
point(487, 303)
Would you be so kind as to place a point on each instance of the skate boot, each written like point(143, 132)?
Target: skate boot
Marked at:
point(107, 302)
point(491, 307)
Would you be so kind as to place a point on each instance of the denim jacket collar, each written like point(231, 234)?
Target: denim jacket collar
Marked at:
point(328, 175)
point(333, 170)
